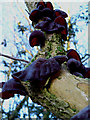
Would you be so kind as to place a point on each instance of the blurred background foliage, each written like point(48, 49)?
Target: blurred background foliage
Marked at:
point(16, 28)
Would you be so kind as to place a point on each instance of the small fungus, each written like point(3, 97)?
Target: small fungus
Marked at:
point(49, 5)
point(41, 3)
point(73, 54)
point(37, 38)
point(61, 20)
point(35, 15)
point(12, 87)
point(46, 12)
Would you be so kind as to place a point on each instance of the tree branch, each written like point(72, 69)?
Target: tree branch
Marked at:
point(15, 112)
point(14, 58)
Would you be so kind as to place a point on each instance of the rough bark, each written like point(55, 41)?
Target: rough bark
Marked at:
point(67, 94)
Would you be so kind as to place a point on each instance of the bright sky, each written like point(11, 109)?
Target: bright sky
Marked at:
point(9, 10)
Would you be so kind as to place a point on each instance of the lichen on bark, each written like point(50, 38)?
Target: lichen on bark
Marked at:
point(54, 46)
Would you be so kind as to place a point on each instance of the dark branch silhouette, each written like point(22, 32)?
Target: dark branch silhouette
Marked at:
point(13, 58)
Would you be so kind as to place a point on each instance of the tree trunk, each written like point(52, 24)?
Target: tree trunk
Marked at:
point(67, 93)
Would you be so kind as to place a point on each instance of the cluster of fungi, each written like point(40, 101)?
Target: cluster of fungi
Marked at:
point(49, 21)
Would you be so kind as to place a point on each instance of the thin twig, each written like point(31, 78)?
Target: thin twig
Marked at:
point(16, 111)
point(13, 58)
point(85, 59)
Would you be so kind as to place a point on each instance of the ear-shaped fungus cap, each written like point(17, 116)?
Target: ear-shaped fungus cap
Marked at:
point(35, 15)
point(71, 53)
point(38, 72)
point(12, 87)
point(58, 12)
point(60, 20)
point(37, 38)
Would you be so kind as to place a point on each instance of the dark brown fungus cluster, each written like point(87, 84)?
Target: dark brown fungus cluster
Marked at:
point(37, 38)
point(49, 20)
point(36, 73)
point(12, 87)
point(40, 70)
point(75, 65)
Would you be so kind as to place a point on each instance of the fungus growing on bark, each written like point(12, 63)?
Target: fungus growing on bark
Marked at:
point(40, 70)
point(37, 38)
point(12, 87)
point(58, 12)
point(73, 54)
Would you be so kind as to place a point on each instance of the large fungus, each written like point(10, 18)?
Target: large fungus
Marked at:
point(12, 87)
point(40, 70)
point(37, 38)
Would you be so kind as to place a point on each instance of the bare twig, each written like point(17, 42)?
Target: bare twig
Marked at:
point(13, 58)
point(15, 112)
